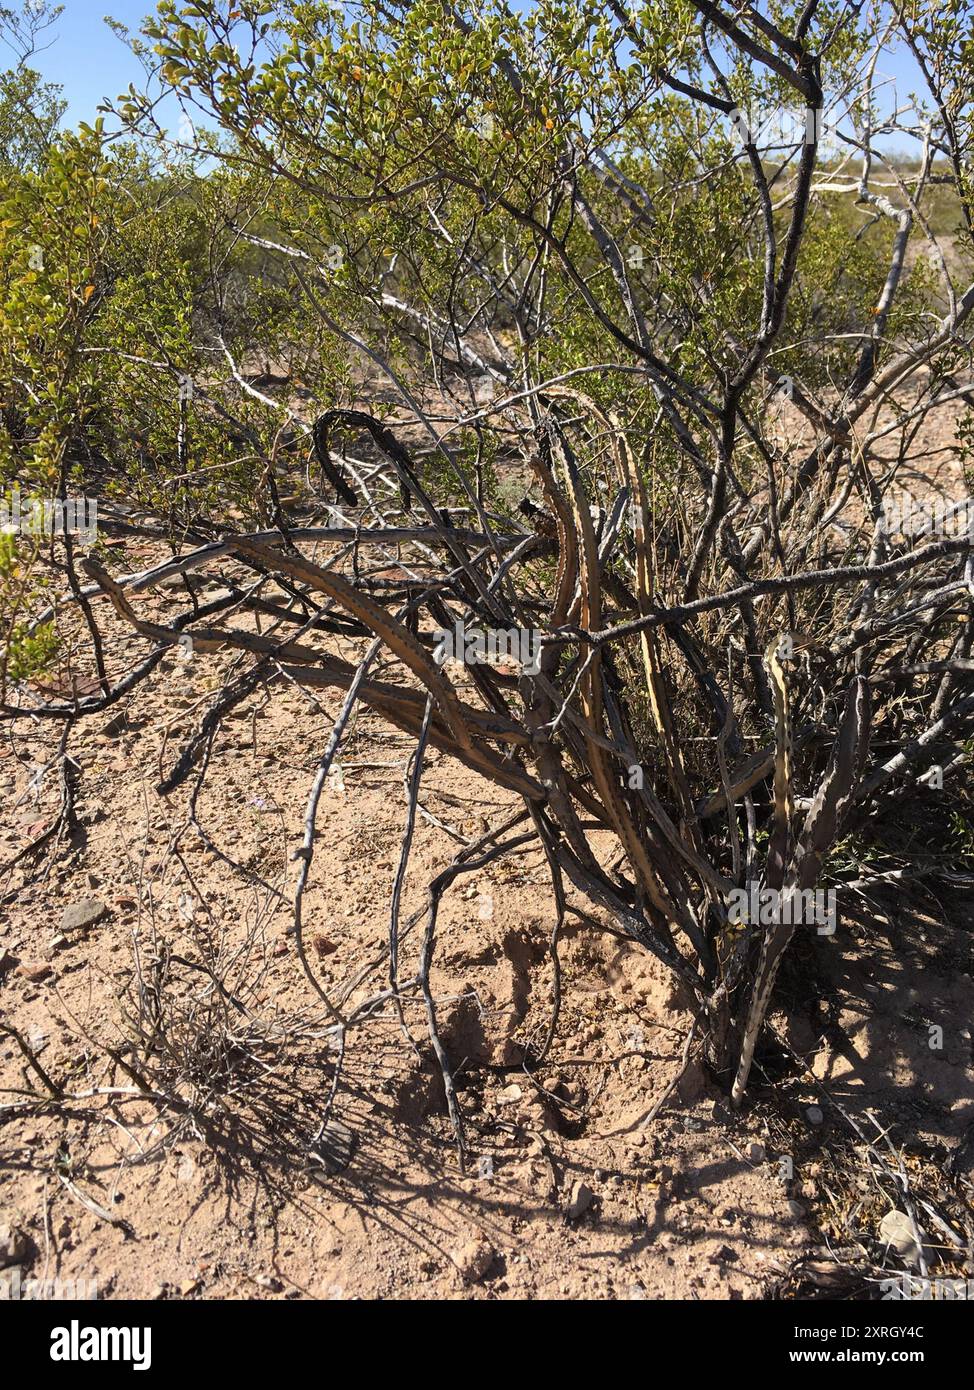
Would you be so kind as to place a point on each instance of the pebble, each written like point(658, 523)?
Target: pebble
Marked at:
point(474, 1259)
point(337, 1146)
point(13, 1245)
point(825, 1274)
point(36, 970)
point(896, 1231)
point(580, 1200)
point(85, 913)
point(725, 1255)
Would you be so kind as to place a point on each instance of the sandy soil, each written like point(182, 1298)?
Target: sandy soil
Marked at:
point(568, 1191)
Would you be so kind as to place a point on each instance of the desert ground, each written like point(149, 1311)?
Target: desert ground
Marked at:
point(235, 1167)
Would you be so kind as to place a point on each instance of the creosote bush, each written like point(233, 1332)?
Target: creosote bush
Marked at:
point(436, 320)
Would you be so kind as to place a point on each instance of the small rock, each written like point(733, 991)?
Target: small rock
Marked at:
point(159, 1292)
point(756, 1153)
point(13, 1246)
point(510, 1095)
point(80, 915)
point(725, 1255)
point(825, 1275)
point(36, 970)
point(814, 1115)
point(188, 1287)
point(59, 943)
point(580, 1200)
point(474, 1259)
point(267, 1281)
point(186, 1171)
point(336, 1147)
point(796, 1209)
point(896, 1231)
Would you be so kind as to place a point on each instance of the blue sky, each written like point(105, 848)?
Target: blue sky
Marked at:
point(90, 63)
point(86, 58)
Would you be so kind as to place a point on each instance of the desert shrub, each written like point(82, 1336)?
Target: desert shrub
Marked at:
point(535, 254)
